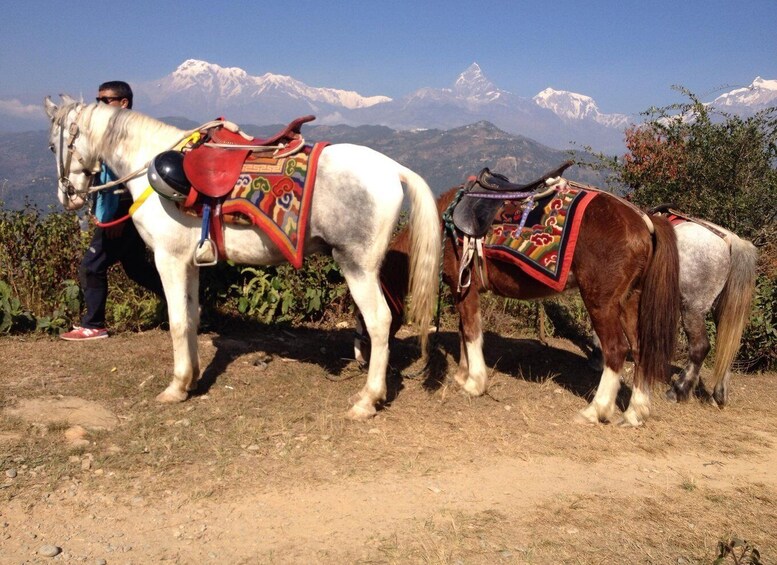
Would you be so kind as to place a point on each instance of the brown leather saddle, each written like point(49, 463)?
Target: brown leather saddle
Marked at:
point(215, 163)
point(484, 195)
point(213, 166)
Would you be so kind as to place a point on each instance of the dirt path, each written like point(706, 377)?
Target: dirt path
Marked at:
point(261, 468)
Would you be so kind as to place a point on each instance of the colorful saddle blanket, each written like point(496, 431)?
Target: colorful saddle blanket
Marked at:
point(275, 195)
point(544, 247)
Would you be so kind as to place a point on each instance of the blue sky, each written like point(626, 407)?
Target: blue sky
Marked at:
point(625, 54)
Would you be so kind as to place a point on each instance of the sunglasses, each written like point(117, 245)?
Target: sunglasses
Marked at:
point(108, 99)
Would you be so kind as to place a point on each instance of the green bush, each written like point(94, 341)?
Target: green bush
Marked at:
point(40, 255)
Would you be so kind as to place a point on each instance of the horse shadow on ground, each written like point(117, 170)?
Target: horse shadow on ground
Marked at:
point(526, 359)
point(332, 349)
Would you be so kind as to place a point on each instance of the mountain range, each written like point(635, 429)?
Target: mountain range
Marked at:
point(201, 91)
point(444, 134)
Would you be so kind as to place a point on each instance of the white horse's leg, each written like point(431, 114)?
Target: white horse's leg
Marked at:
point(602, 407)
point(639, 408)
point(181, 283)
point(366, 292)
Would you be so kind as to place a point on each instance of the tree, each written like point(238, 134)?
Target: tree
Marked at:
point(705, 162)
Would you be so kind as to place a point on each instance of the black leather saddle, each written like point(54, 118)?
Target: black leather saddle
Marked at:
point(485, 194)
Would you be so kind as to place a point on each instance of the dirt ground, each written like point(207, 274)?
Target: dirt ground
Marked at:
point(259, 465)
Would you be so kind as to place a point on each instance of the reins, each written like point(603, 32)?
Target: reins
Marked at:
point(74, 133)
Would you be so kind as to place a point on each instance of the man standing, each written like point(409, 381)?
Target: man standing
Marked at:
point(111, 244)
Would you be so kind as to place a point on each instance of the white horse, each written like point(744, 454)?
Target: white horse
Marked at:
point(716, 275)
point(355, 207)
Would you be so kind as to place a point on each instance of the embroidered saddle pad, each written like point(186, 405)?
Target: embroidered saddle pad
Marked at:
point(274, 194)
point(545, 246)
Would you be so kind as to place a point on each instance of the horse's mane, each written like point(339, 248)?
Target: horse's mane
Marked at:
point(114, 128)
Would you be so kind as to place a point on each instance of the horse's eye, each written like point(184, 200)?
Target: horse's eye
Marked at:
point(52, 149)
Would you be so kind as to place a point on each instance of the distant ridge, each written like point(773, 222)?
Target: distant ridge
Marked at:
point(443, 157)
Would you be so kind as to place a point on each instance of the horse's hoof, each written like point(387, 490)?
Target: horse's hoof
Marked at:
point(629, 420)
point(719, 399)
point(711, 401)
point(472, 388)
point(359, 413)
point(171, 396)
point(671, 395)
point(461, 378)
point(584, 420)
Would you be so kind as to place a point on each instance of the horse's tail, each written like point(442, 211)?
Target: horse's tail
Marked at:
point(659, 305)
point(424, 252)
point(732, 308)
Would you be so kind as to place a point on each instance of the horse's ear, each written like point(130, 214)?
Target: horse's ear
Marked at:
point(50, 107)
point(67, 99)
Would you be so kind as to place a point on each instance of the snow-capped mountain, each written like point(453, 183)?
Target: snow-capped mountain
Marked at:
point(204, 90)
point(473, 85)
point(570, 106)
point(201, 91)
point(760, 94)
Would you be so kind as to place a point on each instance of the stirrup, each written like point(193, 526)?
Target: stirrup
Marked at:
point(199, 252)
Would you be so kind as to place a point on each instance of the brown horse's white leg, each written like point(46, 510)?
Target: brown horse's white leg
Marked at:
point(475, 379)
point(462, 373)
point(602, 407)
point(639, 407)
point(375, 312)
point(181, 283)
point(638, 410)
point(612, 335)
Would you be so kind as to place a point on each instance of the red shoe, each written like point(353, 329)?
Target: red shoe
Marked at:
point(83, 334)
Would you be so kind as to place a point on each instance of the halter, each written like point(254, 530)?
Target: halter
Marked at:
point(64, 163)
point(190, 136)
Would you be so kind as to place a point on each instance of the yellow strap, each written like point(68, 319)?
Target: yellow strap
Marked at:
point(193, 138)
point(141, 199)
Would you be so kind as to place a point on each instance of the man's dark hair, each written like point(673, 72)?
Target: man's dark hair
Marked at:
point(120, 87)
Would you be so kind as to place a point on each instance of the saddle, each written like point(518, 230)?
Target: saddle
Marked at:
point(669, 210)
point(213, 166)
point(484, 195)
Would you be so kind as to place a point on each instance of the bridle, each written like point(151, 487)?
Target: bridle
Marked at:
point(66, 158)
point(65, 162)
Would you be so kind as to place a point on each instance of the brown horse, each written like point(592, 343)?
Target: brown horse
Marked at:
point(628, 280)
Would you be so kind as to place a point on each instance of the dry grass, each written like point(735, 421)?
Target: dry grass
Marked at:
point(506, 478)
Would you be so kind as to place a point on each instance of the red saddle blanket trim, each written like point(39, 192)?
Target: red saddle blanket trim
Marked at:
point(275, 196)
point(676, 218)
point(545, 246)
